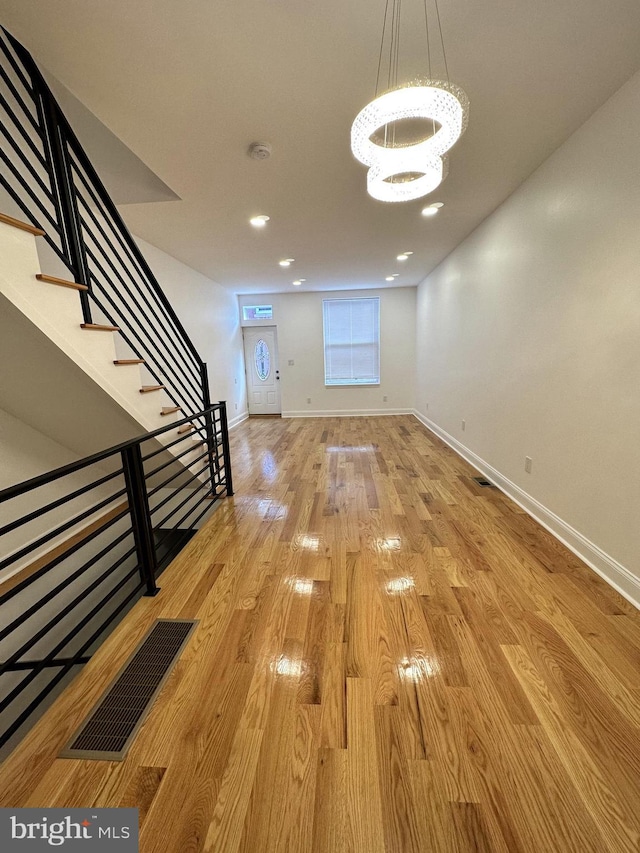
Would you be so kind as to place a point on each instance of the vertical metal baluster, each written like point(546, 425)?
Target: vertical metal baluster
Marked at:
point(64, 190)
point(224, 429)
point(211, 436)
point(140, 516)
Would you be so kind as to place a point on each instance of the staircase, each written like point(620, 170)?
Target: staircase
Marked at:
point(49, 305)
point(93, 350)
point(53, 190)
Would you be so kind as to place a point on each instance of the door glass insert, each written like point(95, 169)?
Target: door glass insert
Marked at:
point(262, 360)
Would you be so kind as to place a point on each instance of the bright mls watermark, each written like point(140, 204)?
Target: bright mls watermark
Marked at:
point(82, 830)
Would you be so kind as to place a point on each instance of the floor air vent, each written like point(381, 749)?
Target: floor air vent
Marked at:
point(113, 723)
point(482, 481)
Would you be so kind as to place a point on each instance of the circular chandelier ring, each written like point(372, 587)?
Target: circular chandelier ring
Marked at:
point(427, 102)
point(429, 169)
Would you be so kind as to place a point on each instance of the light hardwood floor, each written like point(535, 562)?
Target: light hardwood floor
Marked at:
point(389, 658)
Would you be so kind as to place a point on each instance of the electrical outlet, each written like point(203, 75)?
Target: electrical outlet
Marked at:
point(385, 399)
point(427, 405)
point(464, 425)
point(291, 362)
point(236, 407)
point(527, 464)
point(308, 399)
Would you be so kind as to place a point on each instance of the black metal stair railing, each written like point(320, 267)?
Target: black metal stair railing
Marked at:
point(26, 173)
point(125, 514)
point(80, 544)
point(47, 174)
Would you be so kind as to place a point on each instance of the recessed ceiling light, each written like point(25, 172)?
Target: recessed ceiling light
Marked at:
point(402, 257)
point(432, 209)
point(286, 262)
point(299, 281)
point(390, 278)
point(259, 221)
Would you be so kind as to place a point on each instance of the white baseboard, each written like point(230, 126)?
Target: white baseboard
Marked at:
point(613, 572)
point(346, 413)
point(237, 420)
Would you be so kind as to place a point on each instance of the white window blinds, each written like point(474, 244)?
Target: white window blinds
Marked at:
point(351, 341)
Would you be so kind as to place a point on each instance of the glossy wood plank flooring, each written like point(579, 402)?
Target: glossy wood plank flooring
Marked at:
point(389, 658)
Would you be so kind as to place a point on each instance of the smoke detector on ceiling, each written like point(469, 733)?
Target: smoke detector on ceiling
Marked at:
point(259, 151)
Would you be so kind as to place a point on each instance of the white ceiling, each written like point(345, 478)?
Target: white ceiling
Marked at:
point(188, 86)
point(125, 176)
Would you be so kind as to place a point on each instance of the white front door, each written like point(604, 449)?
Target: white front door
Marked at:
point(261, 365)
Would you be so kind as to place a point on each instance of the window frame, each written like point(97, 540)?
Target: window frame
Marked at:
point(329, 342)
point(254, 319)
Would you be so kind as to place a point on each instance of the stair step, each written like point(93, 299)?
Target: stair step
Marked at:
point(23, 226)
point(186, 428)
point(169, 410)
point(61, 282)
point(40, 562)
point(146, 389)
point(94, 327)
point(121, 361)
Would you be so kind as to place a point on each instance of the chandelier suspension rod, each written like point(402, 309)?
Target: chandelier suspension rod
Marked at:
point(392, 40)
point(426, 26)
point(384, 27)
point(395, 15)
point(444, 53)
point(391, 34)
point(397, 64)
point(393, 71)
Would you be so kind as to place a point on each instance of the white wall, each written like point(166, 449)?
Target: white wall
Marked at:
point(298, 317)
point(25, 453)
point(209, 314)
point(530, 332)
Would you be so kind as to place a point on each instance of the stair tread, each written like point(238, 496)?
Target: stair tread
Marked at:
point(146, 388)
point(96, 327)
point(169, 410)
point(62, 282)
point(121, 361)
point(78, 536)
point(23, 226)
point(186, 428)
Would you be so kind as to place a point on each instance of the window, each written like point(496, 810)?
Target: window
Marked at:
point(257, 312)
point(351, 341)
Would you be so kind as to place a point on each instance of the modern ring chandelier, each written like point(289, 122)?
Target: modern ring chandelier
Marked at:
point(400, 171)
